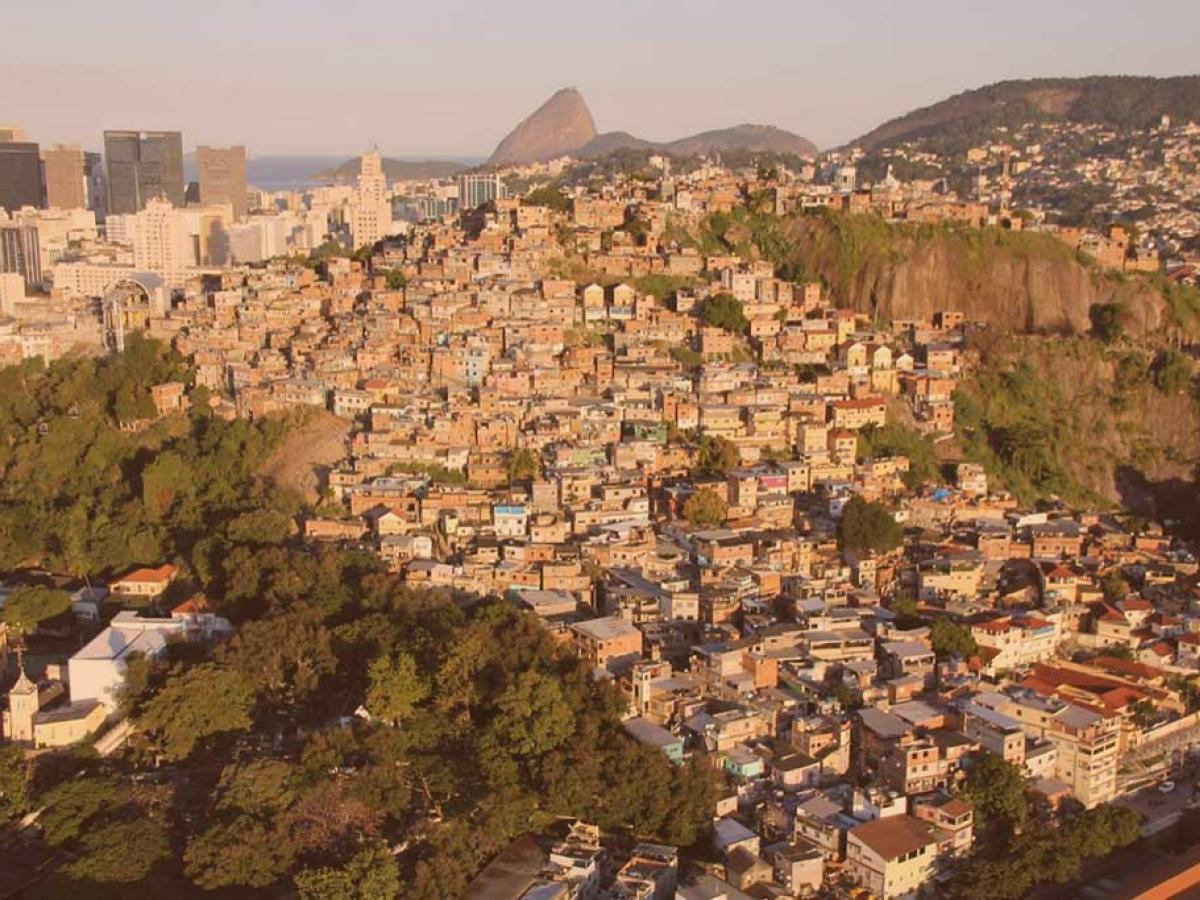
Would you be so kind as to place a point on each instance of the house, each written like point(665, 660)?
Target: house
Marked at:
point(97, 670)
point(892, 857)
point(607, 643)
point(646, 732)
point(145, 583)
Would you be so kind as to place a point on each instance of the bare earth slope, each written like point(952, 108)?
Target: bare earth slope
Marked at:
point(308, 450)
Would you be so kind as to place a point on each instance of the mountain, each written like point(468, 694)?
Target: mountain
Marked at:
point(395, 170)
point(558, 127)
point(1121, 101)
point(753, 138)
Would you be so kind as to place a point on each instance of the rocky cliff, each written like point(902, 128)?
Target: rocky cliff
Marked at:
point(1019, 282)
point(560, 126)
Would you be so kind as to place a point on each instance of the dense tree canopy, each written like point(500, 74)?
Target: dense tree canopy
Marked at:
point(29, 606)
point(705, 508)
point(868, 526)
point(724, 311)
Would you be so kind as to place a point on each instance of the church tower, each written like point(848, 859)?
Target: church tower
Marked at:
point(23, 704)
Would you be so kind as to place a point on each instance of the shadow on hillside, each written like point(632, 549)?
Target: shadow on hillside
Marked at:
point(1169, 499)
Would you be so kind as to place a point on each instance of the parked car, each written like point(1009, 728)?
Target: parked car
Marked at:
point(1166, 787)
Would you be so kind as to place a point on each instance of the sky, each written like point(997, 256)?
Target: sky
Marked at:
point(451, 78)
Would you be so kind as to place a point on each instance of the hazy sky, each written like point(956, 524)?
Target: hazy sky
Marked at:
point(451, 77)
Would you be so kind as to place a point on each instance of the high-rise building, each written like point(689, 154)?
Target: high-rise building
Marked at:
point(370, 210)
point(11, 133)
point(223, 178)
point(20, 175)
point(476, 189)
point(143, 166)
point(162, 243)
point(19, 252)
point(66, 177)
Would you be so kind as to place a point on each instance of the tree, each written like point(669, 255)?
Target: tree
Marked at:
point(716, 456)
point(521, 465)
point(194, 705)
point(1114, 586)
point(996, 789)
point(122, 852)
point(29, 606)
point(705, 508)
point(867, 526)
point(396, 687)
point(285, 656)
point(14, 782)
point(369, 874)
point(1108, 321)
point(1171, 371)
point(396, 280)
point(952, 639)
point(532, 718)
point(724, 311)
point(243, 851)
point(69, 807)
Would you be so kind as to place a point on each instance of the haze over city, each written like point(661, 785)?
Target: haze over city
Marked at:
point(447, 79)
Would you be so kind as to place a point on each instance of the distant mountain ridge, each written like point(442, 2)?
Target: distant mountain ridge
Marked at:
point(755, 138)
point(395, 170)
point(1116, 100)
point(563, 126)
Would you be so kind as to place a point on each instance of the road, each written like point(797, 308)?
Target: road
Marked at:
point(1160, 811)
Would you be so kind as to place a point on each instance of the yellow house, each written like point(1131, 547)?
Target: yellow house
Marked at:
point(892, 857)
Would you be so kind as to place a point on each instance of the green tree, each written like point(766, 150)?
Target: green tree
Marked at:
point(1114, 586)
point(705, 508)
point(369, 874)
point(1108, 321)
point(121, 852)
point(532, 718)
point(196, 704)
point(996, 790)
point(243, 851)
point(396, 280)
point(14, 782)
point(952, 639)
point(1172, 371)
point(396, 687)
point(69, 807)
point(29, 606)
point(724, 311)
point(868, 526)
point(715, 457)
point(521, 465)
point(286, 655)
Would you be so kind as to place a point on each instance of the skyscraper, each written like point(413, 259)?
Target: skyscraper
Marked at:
point(143, 166)
point(223, 178)
point(20, 175)
point(66, 177)
point(19, 252)
point(370, 210)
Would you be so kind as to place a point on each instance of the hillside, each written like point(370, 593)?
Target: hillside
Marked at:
point(1119, 101)
point(1013, 280)
point(752, 138)
point(395, 170)
point(1080, 420)
point(558, 127)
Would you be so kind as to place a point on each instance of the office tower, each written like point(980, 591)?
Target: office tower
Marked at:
point(477, 189)
point(223, 178)
point(19, 252)
point(66, 177)
point(9, 133)
point(370, 210)
point(143, 166)
point(20, 175)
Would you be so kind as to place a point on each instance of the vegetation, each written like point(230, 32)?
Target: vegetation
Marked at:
point(521, 465)
point(1171, 371)
point(952, 639)
point(1049, 853)
point(894, 439)
point(705, 508)
point(724, 311)
point(996, 789)
point(435, 473)
point(29, 606)
point(663, 286)
point(548, 196)
point(715, 457)
point(867, 526)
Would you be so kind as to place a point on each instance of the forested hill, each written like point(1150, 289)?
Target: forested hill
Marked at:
point(1122, 101)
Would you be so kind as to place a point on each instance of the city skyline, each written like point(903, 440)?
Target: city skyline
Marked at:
point(280, 86)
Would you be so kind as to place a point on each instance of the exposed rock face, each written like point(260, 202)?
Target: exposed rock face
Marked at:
point(560, 126)
point(1036, 288)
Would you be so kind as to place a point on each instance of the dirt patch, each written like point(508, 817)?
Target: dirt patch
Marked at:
point(306, 454)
